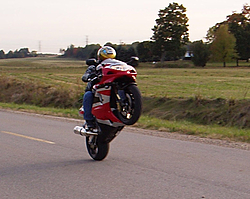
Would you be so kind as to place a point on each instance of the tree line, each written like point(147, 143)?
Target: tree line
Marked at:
point(21, 53)
point(124, 51)
point(225, 41)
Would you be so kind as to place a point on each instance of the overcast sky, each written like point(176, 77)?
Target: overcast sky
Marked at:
point(56, 24)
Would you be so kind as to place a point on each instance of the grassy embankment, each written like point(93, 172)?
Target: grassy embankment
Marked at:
point(209, 102)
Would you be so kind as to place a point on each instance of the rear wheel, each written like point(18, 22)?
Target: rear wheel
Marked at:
point(96, 149)
point(130, 110)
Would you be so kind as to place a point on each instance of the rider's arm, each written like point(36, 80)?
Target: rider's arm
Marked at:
point(89, 74)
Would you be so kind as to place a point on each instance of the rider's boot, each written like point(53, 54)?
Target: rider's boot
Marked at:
point(91, 126)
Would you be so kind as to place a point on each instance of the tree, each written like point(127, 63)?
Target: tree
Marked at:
point(223, 46)
point(10, 54)
point(239, 25)
point(171, 31)
point(125, 52)
point(23, 52)
point(145, 51)
point(200, 53)
point(2, 54)
point(211, 34)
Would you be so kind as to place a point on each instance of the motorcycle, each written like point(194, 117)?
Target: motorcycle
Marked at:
point(117, 102)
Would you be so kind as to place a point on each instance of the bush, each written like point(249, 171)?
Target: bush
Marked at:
point(201, 53)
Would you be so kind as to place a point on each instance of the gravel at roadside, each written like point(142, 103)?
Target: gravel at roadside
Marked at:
point(192, 138)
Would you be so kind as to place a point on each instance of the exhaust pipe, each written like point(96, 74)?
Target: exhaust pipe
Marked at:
point(81, 131)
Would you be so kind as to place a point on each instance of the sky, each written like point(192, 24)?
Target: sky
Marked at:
point(50, 25)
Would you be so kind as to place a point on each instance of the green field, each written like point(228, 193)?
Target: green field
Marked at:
point(172, 95)
point(211, 82)
point(208, 83)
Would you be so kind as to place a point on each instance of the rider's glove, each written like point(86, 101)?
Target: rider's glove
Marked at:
point(94, 80)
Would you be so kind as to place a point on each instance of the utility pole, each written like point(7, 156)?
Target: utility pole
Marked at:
point(39, 46)
point(87, 40)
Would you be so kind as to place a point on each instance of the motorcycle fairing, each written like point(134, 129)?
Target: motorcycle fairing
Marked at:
point(101, 108)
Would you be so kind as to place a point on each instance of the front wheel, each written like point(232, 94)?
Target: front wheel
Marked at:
point(96, 149)
point(130, 111)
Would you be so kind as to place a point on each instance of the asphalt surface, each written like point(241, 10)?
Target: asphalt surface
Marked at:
point(42, 158)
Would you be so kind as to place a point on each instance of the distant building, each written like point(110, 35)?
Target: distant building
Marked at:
point(189, 53)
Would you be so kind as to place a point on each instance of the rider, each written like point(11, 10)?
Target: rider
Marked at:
point(103, 53)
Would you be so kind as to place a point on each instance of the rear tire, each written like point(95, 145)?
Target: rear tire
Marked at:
point(96, 149)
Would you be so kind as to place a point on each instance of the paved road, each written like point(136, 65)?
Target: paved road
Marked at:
point(41, 158)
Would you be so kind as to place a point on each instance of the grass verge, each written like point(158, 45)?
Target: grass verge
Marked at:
point(147, 122)
point(189, 128)
point(60, 112)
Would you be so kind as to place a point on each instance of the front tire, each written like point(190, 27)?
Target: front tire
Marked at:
point(130, 113)
point(96, 149)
